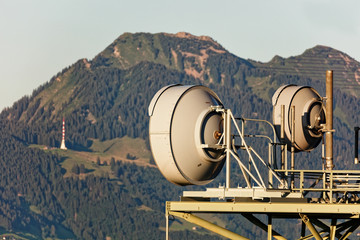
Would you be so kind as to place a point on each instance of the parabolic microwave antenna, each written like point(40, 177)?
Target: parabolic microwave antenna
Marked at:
point(182, 120)
point(309, 116)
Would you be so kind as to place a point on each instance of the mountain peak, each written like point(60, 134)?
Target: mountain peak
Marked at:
point(181, 35)
point(191, 36)
point(333, 55)
point(321, 50)
point(181, 51)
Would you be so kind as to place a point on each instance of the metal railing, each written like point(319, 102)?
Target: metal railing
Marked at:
point(335, 186)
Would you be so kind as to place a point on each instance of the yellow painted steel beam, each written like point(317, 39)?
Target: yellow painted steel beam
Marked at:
point(333, 229)
point(260, 207)
point(208, 225)
point(269, 228)
point(311, 227)
point(312, 236)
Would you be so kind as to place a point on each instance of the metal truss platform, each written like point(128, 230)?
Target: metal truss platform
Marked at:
point(311, 214)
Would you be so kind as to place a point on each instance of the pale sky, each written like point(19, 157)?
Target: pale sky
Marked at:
point(38, 38)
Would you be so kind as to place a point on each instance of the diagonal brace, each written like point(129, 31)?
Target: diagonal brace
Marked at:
point(310, 226)
point(208, 225)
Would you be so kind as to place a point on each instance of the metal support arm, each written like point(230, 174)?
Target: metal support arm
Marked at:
point(310, 226)
point(208, 225)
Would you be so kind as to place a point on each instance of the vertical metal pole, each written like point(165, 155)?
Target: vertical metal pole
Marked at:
point(269, 227)
point(356, 159)
point(270, 163)
point(246, 176)
point(228, 144)
point(243, 144)
point(332, 229)
point(283, 147)
point(329, 121)
point(324, 186)
point(292, 144)
point(323, 153)
point(282, 135)
point(286, 162)
point(331, 183)
point(301, 181)
point(167, 224)
point(242, 131)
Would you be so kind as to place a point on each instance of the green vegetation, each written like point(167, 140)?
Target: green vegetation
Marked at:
point(105, 151)
point(263, 87)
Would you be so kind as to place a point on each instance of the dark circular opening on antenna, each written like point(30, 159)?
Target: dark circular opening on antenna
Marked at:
point(211, 131)
point(316, 117)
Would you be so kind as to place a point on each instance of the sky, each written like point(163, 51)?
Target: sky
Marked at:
point(39, 38)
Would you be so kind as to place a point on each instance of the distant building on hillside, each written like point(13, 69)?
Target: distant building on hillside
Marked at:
point(63, 146)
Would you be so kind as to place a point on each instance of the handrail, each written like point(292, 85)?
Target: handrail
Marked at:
point(259, 120)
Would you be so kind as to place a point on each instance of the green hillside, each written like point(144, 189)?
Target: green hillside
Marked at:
point(312, 64)
point(106, 185)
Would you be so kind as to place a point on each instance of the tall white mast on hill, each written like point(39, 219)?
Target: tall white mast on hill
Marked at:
point(62, 146)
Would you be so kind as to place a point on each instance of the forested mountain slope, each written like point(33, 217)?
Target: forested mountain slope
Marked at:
point(106, 98)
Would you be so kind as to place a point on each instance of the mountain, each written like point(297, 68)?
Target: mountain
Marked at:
point(106, 185)
point(314, 62)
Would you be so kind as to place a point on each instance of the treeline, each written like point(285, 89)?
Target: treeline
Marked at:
point(35, 198)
